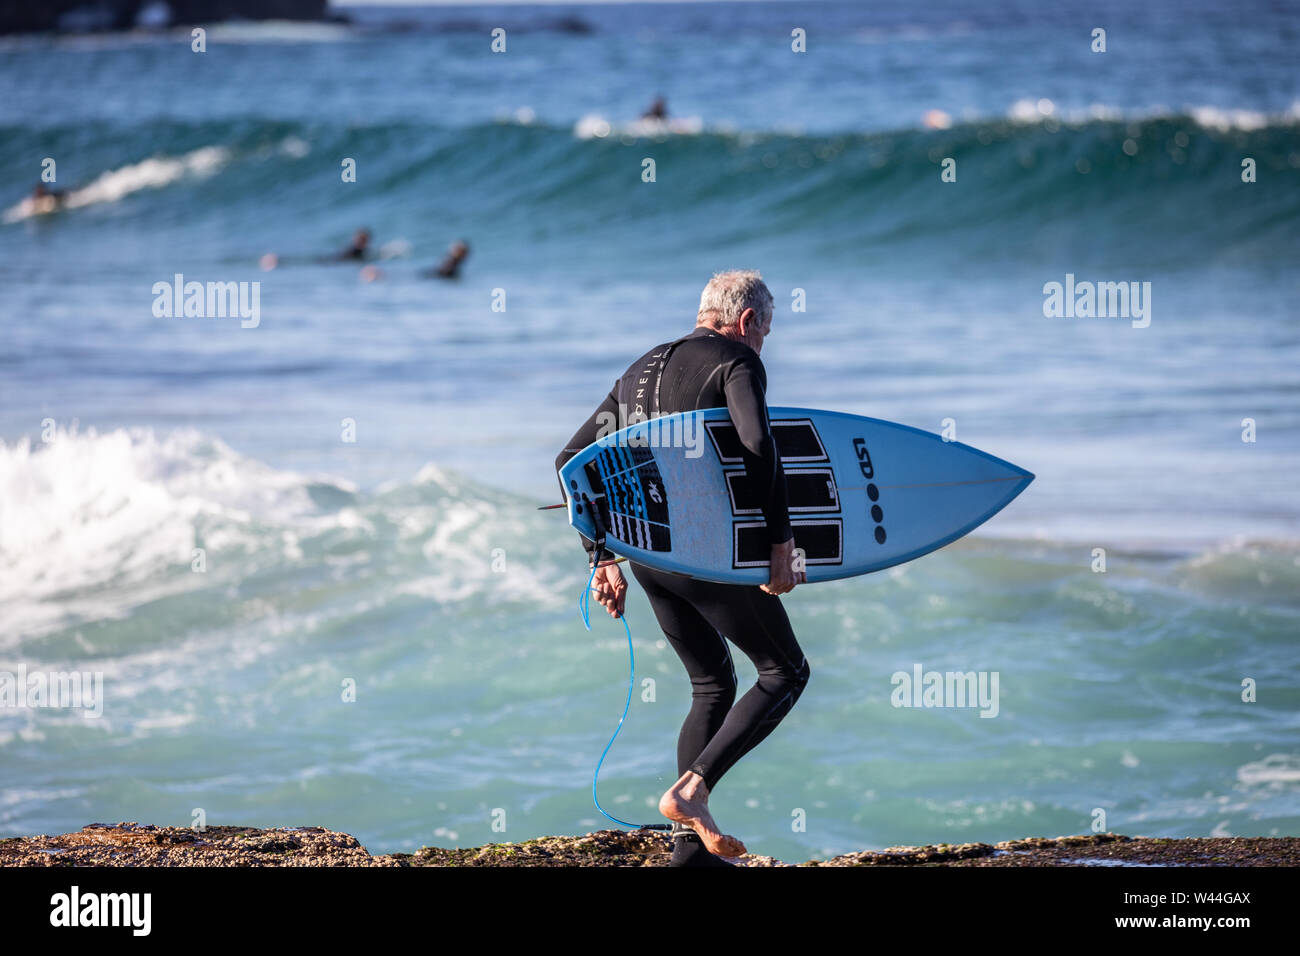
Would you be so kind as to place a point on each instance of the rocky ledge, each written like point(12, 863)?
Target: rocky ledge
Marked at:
point(133, 844)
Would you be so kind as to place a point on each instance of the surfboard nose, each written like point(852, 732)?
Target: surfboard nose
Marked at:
point(1017, 480)
point(1026, 476)
point(981, 485)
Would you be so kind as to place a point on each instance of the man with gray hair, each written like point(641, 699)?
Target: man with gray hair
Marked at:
point(715, 366)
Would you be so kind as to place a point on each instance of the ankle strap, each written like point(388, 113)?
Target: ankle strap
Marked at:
point(681, 831)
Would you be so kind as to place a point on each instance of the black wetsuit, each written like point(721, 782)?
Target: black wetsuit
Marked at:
point(708, 370)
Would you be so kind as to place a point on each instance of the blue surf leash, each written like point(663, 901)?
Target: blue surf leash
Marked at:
point(584, 609)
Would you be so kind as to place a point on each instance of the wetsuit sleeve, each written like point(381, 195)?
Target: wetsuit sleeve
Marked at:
point(597, 426)
point(746, 388)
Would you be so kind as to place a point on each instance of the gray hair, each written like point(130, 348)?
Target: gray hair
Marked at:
point(728, 294)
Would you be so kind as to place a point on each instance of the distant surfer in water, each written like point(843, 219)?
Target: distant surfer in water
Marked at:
point(358, 250)
point(714, 366)
point(658, 110)
point(449, 268)
point(46, 200)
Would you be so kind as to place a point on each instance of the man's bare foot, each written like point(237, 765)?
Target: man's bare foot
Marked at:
point(687, 802)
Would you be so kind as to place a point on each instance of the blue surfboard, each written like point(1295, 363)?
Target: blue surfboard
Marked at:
point(865, 494)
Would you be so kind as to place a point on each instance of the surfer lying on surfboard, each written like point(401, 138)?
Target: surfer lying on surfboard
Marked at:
point(717, 365)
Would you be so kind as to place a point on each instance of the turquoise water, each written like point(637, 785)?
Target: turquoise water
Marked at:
point(413, 562)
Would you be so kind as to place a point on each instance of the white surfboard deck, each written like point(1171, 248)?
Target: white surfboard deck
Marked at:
point(865, 494)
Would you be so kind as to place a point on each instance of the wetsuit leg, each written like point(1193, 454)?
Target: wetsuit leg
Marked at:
point(756, 623)
point(707, 659)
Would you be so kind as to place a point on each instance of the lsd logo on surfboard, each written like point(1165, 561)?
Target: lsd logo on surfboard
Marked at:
point(868, 472)
point(864, 458)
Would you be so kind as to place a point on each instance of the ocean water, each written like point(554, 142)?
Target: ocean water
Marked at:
point(412, 563)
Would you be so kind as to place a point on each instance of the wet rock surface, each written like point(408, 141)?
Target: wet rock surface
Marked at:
point(134, 844)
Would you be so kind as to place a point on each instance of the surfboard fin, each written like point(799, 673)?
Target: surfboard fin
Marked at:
point(565, 504)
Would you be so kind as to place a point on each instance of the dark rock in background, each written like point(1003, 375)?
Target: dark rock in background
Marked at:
point(80, 16)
